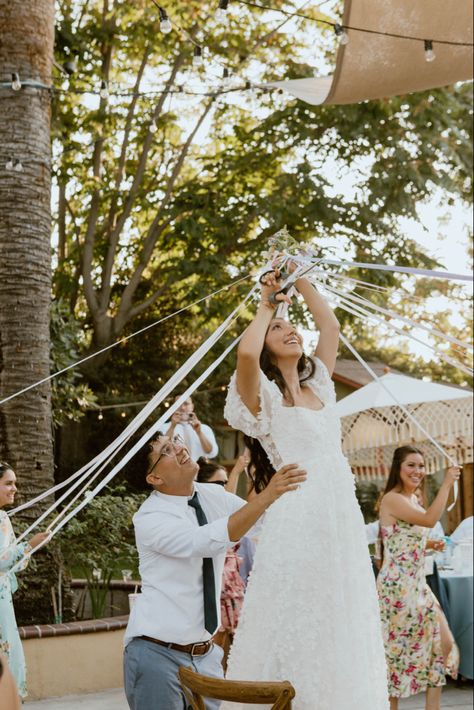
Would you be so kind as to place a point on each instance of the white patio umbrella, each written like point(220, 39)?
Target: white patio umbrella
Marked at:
point(374, 425)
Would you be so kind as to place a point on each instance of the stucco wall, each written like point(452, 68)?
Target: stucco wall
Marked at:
point(76, 663)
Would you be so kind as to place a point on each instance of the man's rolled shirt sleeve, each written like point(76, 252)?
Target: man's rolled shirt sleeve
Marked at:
point(180, 538)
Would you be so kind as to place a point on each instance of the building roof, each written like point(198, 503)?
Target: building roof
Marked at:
point(352, 373)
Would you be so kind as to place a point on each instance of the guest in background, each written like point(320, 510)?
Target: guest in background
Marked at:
point(10, 554)
point(199, 438)
point(419, 647)
point(213, 472)
point(233, 586)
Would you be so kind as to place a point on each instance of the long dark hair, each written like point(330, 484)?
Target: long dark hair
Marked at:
point(4, 467)
point(206, 469)
point(260, 469)
point(399, 456)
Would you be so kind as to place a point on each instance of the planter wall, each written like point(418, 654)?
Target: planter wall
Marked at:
point(80, 657)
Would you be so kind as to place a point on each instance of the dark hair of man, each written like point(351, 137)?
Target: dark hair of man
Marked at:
point(261, 470)
point(206, 469)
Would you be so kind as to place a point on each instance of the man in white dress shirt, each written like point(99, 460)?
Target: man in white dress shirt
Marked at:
point(183, 531)
point(199, 438)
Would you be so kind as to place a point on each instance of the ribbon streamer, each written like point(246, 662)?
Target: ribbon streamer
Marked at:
point(113, 448)
point(55, 528)
point(305, 266)
point(398, 316)
point(445, 275)
point(362, 312)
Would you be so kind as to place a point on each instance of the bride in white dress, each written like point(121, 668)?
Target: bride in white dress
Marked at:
point(310, 614)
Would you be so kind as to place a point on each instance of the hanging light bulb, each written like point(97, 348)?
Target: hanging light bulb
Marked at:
point(100, 416)
point(225, 77)
point(153, 127)
point(104, 90)
point(16, 83)
point(197, 56)
point(9, 165)
point(430, 56)
point(341, 33)
point(221, 12)
point(165, 24)
point(18, 166)
point(70, 66)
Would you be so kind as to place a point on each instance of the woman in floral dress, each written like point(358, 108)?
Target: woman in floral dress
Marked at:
point(419, 646)
point(10, 553)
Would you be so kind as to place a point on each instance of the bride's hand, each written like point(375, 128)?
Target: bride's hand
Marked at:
point(270, 285)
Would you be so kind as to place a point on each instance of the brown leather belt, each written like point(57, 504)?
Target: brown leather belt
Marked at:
point(194, 649)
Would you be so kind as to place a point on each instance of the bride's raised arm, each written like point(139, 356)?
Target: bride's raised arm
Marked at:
point(251, 344)
point(324, 320)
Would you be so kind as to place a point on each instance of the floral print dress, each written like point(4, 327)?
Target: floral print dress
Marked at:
point(410, 614)
point(10, 644)
point(233, 590)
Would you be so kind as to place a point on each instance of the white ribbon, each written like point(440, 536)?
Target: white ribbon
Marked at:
point(349, 305)
point(446, 275)
point(183, 370)
point(148, 435)
point(97, 464)
point(395, 314)
point(105, 456)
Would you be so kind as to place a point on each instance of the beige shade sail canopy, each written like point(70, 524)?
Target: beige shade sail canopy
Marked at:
point(373, 66)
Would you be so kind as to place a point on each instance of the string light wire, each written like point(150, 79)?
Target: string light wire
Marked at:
point(122, 340)
point(354, 28)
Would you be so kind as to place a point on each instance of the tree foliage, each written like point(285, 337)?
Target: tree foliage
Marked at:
point(163, 197)
point(70, 396)
point(101, 535)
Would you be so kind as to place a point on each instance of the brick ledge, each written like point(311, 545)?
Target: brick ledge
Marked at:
point(113, 623)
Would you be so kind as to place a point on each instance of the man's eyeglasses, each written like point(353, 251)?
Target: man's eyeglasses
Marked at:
point(169, 449)
point(219, 483)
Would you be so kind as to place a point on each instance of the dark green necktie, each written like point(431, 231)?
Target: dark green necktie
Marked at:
point(208, 580)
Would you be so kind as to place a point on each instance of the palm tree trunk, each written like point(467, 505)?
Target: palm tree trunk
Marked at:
point(26, 48)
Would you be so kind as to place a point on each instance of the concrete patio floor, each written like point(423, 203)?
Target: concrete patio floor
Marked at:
point(458, 698)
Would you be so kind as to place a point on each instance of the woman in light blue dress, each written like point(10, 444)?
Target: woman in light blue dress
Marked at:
point(10, 553)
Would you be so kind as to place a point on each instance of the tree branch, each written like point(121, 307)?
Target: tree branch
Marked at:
point(113, 236)
point(137, 180)
point(88, 251)
point(157, 226)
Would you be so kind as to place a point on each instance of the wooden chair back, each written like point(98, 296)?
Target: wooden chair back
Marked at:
point(196, 687)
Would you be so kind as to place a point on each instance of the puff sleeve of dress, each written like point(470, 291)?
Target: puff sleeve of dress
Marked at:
point(321, 382)
point(241, 418)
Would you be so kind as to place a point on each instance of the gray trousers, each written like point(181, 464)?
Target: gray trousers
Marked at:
point(151, 675)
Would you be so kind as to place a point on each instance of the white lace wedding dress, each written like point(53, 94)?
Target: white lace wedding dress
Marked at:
point(310, 613)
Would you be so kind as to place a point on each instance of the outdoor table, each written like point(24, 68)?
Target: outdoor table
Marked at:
point(459, 588)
